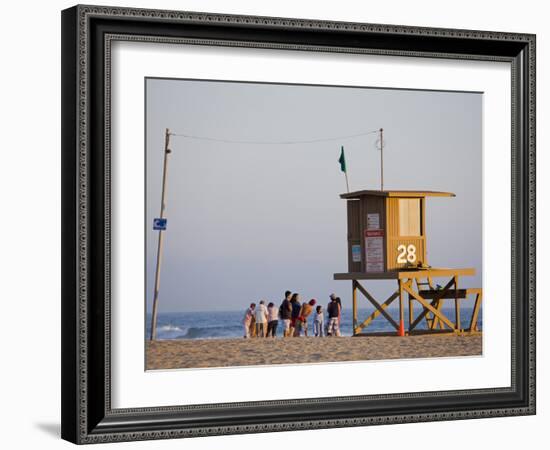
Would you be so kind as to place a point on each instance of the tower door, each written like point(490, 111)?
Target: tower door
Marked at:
point(406, 240)
point(355, 254)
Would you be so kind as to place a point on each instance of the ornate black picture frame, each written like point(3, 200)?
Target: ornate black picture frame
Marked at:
point(87, 34)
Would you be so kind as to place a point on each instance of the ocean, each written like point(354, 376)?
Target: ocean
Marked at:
point(228, 324)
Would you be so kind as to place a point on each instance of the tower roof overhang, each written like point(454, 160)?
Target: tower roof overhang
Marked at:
point(395, 194)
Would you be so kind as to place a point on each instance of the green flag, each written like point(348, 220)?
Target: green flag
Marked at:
point(342, 161)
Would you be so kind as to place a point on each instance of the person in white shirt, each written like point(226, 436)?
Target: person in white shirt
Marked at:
point(273, 319)
point(261, 319)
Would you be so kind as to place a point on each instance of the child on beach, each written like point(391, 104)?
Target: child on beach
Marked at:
point(318, 322)
point(247, 320)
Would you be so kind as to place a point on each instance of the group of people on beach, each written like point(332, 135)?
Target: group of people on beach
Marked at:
point(263, 321)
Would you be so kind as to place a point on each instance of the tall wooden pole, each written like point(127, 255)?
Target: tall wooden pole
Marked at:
point(381, 159)
point(154, 315)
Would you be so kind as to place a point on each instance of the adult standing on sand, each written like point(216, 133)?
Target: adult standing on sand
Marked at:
point(285, 313)
point(261, 319)
point(247, 320)
point(335, 297)
point(296, 308)
point(333, 310)
point(301, 321)
point(273, 320)
point(253, 325)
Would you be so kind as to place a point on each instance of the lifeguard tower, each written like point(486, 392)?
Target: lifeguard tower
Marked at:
point(387, 241)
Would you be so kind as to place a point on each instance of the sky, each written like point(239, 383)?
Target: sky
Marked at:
point(249, 221)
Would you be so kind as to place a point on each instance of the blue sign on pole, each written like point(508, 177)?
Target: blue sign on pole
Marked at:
point(159, 224)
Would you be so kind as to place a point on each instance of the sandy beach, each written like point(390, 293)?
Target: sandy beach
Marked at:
point(185, 353)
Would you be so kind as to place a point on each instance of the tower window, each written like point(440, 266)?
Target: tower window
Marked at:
point(409, 217)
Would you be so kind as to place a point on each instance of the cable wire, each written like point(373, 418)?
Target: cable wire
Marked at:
point(289, 142)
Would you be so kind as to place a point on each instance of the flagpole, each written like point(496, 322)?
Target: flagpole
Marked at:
point(343, 166)
point(161, 237)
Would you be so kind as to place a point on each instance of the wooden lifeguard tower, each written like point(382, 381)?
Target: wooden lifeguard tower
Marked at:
point(387, 240)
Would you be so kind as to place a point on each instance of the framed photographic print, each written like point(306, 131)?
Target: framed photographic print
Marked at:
point(340, 215)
